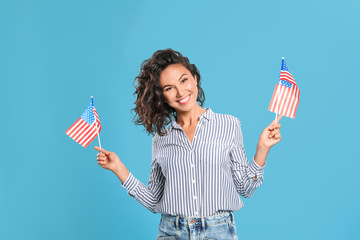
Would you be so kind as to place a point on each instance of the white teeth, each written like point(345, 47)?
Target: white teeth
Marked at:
point(185, 99)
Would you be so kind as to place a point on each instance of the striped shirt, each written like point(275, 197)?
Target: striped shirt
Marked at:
point(201, 178)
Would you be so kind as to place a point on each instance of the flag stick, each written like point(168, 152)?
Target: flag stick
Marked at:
point(98, 136)
point(277, 101)
point(97, 129)
point(277, 105)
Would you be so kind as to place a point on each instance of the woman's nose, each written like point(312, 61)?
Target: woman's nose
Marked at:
point(180, 92)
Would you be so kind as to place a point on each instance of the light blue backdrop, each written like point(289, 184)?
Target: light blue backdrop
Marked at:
point(55, 54)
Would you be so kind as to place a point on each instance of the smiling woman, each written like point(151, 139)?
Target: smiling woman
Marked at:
point(157, 89)
point(199, 167)
point(178, 91)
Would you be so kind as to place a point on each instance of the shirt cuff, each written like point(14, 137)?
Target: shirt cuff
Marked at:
point(256, 170)
point(130, 184)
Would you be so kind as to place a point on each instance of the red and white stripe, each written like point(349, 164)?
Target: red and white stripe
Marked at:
point(285, 100)
point(83, 133)
point(284, 75)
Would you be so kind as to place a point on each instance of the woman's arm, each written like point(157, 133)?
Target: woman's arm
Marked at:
point(148, 196)
point(109, 160)
point(268, 138)
point(249, 176)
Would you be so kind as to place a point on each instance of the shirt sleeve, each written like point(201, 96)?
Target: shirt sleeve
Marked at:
point(150, 195)
point(242, 171)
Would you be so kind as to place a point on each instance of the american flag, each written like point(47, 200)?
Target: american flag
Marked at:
point(87, 127)
point(285, 98)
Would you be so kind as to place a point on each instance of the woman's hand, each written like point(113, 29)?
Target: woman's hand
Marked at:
point(270, 135)
point(268, 138)
point(110, 161)
point(107, 160)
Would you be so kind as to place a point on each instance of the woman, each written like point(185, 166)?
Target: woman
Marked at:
point(199, 166)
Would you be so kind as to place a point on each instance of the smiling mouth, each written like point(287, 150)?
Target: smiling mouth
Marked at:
point(184, 100)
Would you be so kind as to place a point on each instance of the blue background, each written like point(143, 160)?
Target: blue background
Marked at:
point(55, 54)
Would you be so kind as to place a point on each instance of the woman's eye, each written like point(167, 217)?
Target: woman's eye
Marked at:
point(184, 80)
point(167, 89)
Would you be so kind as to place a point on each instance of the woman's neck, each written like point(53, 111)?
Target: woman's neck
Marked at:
point(191, 117)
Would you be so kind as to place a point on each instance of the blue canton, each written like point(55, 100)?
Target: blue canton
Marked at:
point(285, 83)
point(88, 115)
point(284, 66)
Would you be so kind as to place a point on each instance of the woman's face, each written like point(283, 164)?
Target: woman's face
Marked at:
point(179, 87)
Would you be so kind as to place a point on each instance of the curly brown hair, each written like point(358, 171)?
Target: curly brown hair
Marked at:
point(151, 109)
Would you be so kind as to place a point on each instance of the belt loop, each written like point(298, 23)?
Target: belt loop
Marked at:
point(232, 218)
point(203, 224)
point(177, 223)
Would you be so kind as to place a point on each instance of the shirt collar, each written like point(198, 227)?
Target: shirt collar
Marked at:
point(207, 115)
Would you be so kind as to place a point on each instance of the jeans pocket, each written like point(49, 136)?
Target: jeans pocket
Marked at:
point(166, 231)
point(232, 230)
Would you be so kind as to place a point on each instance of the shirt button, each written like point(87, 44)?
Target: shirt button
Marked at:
point(195, 197)
point(196, 212)
point(192, 165)
point(193, 181)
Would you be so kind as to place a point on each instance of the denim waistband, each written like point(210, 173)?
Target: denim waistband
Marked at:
point(218, 218)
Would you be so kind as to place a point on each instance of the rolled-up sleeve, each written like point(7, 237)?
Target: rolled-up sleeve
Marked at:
point(150, 195)
point(242, 171)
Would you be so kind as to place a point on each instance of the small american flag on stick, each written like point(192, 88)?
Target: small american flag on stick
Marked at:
point(87, 127)
point(285, 98)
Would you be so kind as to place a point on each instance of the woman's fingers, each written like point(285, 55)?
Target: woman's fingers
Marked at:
point(106, 152)
point(277, 136)
point(275, 126)
point(101, 162)
point(278, 118)
point(102, 150)
point(277, 121)
point(101, 158)
point(274, 133)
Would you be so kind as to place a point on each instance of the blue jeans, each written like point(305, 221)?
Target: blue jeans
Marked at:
point(216, 227)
